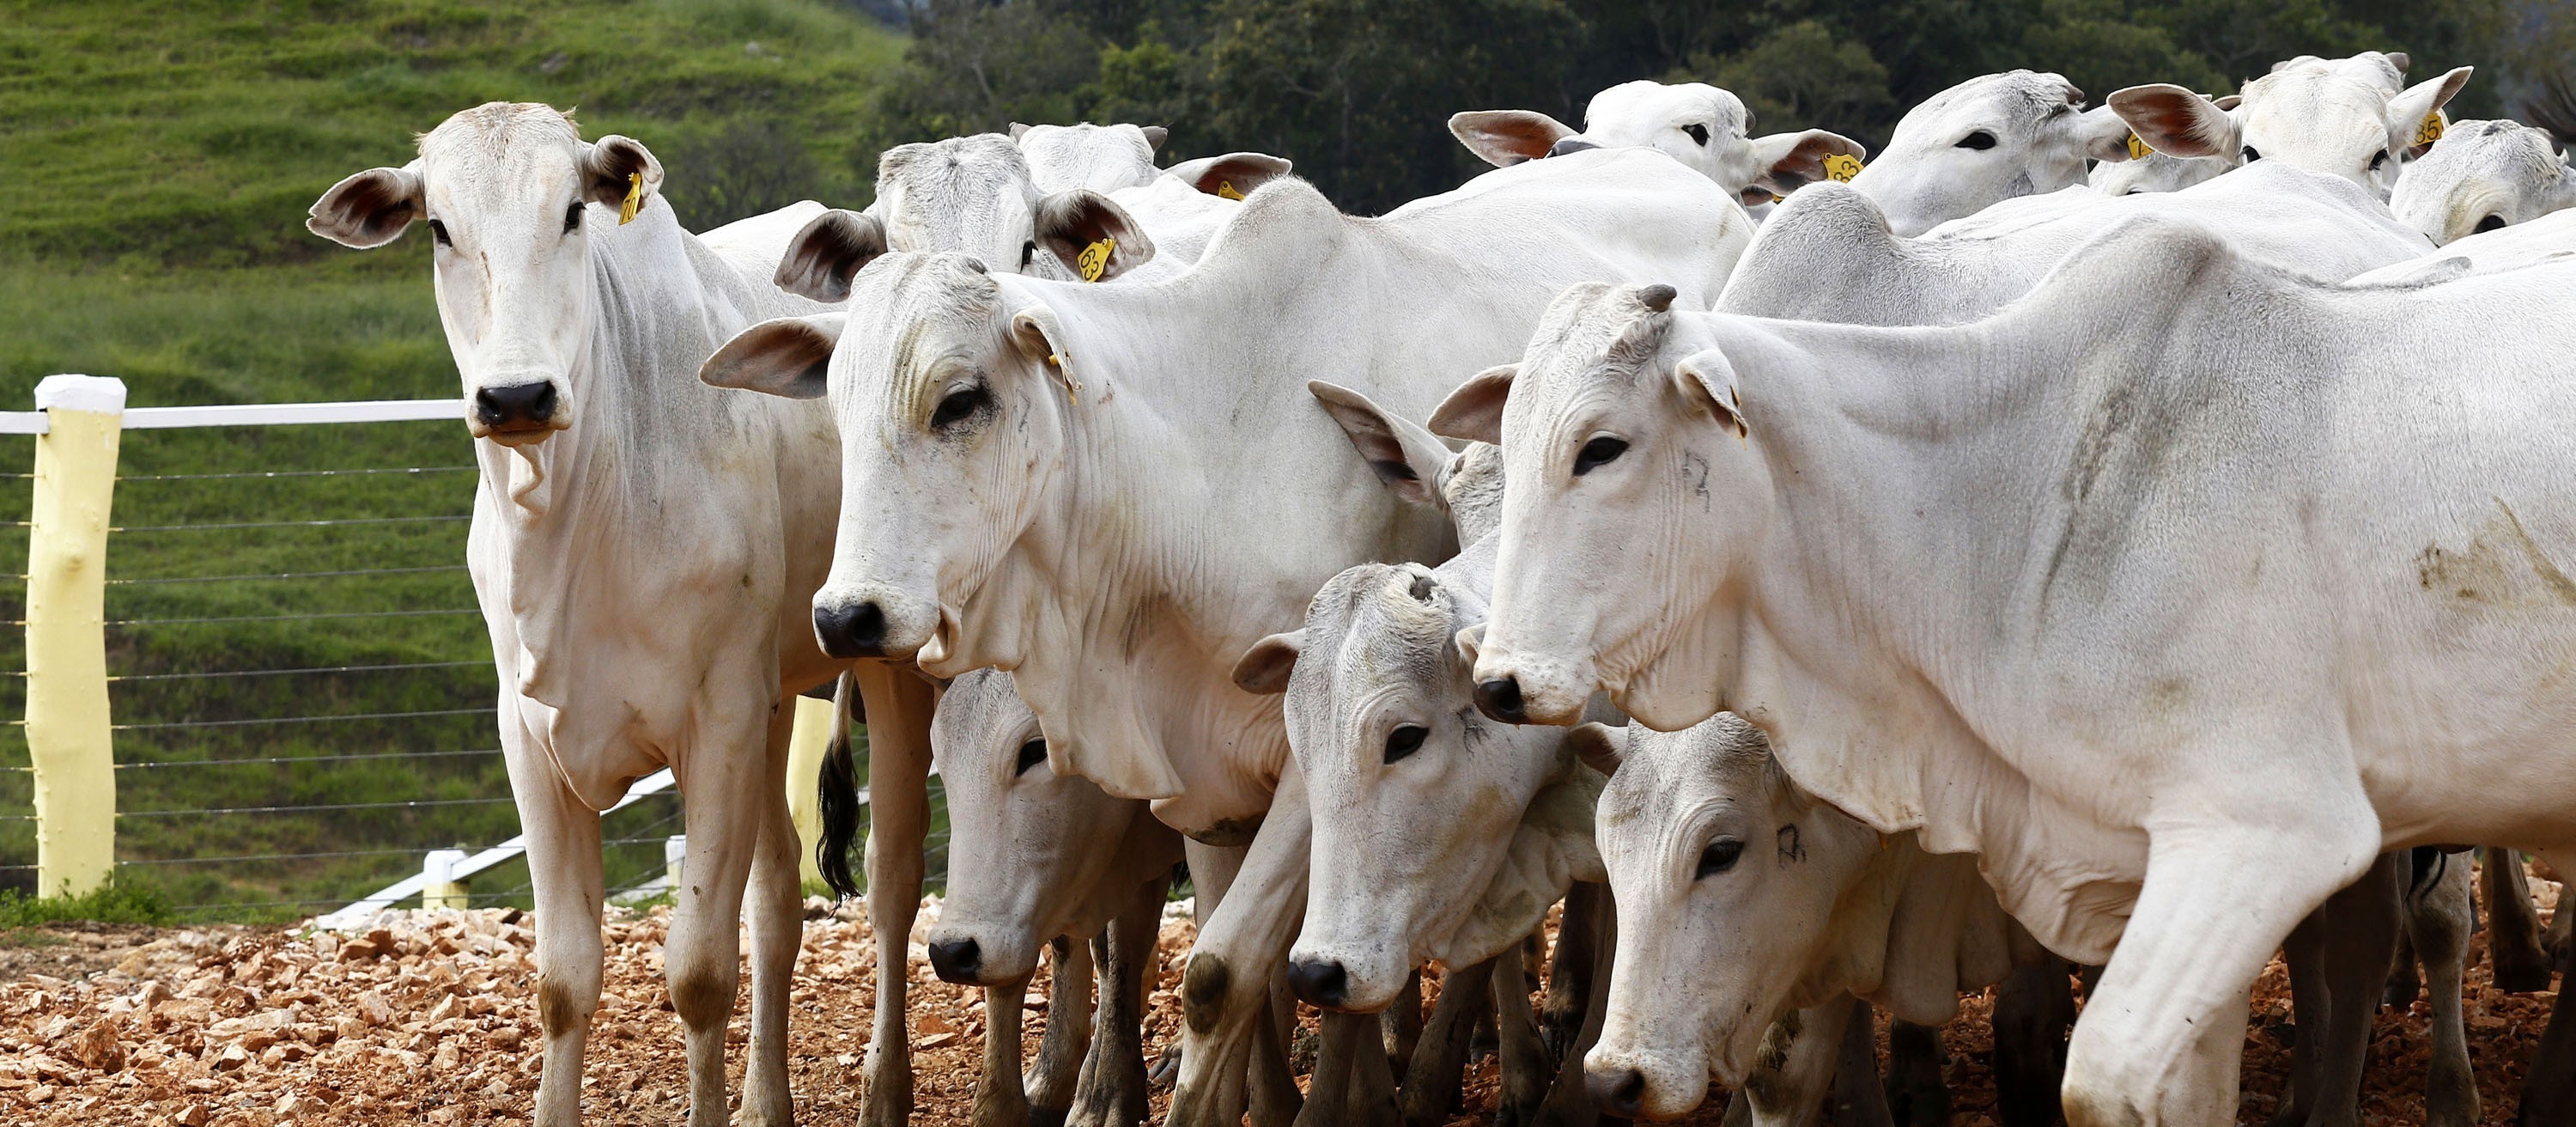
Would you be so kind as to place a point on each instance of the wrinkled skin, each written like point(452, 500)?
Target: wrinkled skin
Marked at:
point(1992, 138)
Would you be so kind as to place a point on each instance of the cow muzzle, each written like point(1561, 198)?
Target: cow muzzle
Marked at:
point(1321, 983)
point(518, 413)
point(873, 622)
point(1638, 1086)
point(1519, 694)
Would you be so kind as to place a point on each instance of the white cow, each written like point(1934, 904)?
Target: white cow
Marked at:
point(2352, 118)
point(1034, 856)
point(2159, 172)
point(2550, 238)
point(1697, 124)
point(2090, 588)
point(1992, 138)
point(1112, 491)
point(2483, 175)
point(1828, 254)
point(643, 547)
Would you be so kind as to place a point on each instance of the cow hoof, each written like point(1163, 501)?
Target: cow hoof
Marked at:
point(1167, 1068)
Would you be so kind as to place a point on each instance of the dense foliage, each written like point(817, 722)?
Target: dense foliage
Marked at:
point(1357, 91)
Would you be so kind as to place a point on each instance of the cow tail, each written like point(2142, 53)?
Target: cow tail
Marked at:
point(837, 794)
point(2430, 865)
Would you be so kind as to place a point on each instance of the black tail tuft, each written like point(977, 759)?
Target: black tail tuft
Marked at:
point(2430, 864)
point(837, 795)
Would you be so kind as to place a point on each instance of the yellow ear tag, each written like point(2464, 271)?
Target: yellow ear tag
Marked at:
point(2138, 149)
point(2431, 130)
point(1225, 190)
point(1841, 166)
point(1094, 259)
point(634, 198)
point(1778, 198)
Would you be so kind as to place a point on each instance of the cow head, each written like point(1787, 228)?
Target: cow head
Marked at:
point(1630, 500)
point(1103, 158)
point(954, 393)
point(1730, 883)
point(1986, 140)
point(513, 198)
point(1703, 127)
point(2483, 175)
point(2342, 117)
point(1026, 846)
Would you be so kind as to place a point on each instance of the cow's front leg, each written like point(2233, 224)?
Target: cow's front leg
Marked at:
point(565, 872)
point(1569, 982)
point(1799, 1053)
point(1523, 1058)
point(1859, 1100)
point(1113, 1091)
point(2033, 1010)
point(2438, 916)
point(2513, 928)
point(776, 917)
point(2160, 1039)
point(1570, 1102)
point(1225, 990)
point(1000, 1101)
point(899, 705)
point(2339, 956)
point(1437, 1073)
point(1067, 1040)
point(724, 796)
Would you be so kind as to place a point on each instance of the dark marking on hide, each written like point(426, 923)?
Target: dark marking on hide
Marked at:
point(1471, 728)
point(1202, 991)
point(558, 1013)
point(702, 998)
point(1229, 832)
point(1790, 850)
point(1695, 475)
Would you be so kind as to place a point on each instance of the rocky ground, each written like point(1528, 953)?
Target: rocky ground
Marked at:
point(429, 1017)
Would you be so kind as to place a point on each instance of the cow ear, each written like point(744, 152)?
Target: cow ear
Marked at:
point(2400, 59)
point(832, 249)
point(1019, 129)
point(2409, 111)
point(1040, 337)
point(1599, 746)
point(1707, 382)
point(2102, 134)
point(1155, 135)
point(1405, 457)
point(1265, 667)
point(1071, 223)
point(1233, 175)
point(787, 356)
point(1784, 162)
point(1474, 412)
point(2177, 122)
point(611, 167)
point(2228, 101)
point(1507, 137)
point(369, 209)
point(1465, 642)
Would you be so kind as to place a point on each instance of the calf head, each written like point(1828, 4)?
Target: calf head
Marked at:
point(1026, 845)
point(1989, 139)
point(2342, 117)
point(2481, 176)
point(514, 199)
point(952, 399)
point(1630, 499)
point(1732, 886)
point(1701, 126)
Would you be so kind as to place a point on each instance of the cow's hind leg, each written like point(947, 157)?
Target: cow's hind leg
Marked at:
point(2549, 1096)
point(1067, 1041)
point(1434, 1078)
point(777, 921)
point(2160, 1039)
point(565, 872)
point(2438, 916)
point(899, 705)
point(1526, 1069)
point(2514, 955)
point(2033, 1011)
point(1000, 1100)
point(2345, 946)
point(1918, 1091)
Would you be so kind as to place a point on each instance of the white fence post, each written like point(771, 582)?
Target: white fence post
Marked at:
point(68, 740)
point(675, 852)
point(439, 887)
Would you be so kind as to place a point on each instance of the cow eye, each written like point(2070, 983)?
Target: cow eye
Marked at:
point(1718, 857)
point(2379, 160)
point(2252, 154)
point(1698, 134)
point(1979, 140)
point(438, 231)
point(1028, 253)
point(1597, 453)
point(1032, 753)
point(1404, 741)
point(572, 217)
point(2491, 223)
point(958, 404)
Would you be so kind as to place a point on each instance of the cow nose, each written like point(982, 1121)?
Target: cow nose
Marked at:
point(957, 960)
point(518, 403)
point(1618, 1093)
point(1569, 145)
point(1500, 698)
point(1322, 984)
point(857, 630)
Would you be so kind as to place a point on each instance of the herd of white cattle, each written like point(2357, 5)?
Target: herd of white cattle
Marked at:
point(2137, 537)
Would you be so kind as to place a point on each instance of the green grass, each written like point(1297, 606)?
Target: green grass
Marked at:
point(156, 163)
point(117, 902)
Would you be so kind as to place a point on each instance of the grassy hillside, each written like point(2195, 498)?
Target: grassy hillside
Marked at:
point(156, 161)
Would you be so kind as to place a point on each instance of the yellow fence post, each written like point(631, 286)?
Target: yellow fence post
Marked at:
point(439, 887)
point(805, 747)
point(67, 723)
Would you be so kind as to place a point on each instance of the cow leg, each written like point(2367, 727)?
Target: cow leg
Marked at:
point(1000, 1098)
point(2555, 939)
point(2549, 1096)
point(1062, 1049)
point(1227, 1063)
point(2438, 916)
point(1526, 1067)
point(2033, 1011)
point(775, 912)
point(564, 871)
point(1806, 1044)
point(2160, 1040)
point(1917, 1092)
point(2513, 927)
point(1369, 1101)
point(1570, 1102)
point(724, 800)
point(899, 705)
point(1401, 1023)
point(1569, 980)
point(1113, 1076)
point(1858, 1100)
point(2303, 952)
point(2402, 986)
point(1433, 1079)
point(2359, 927)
